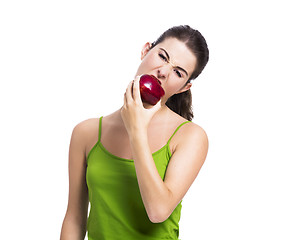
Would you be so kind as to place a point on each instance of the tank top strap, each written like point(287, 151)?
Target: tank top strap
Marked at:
point(177, 130)
point(99, 130)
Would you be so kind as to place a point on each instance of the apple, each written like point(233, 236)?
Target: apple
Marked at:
point(150, 89)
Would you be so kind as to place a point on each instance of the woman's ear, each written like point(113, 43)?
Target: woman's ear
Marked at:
point(145, 49)
point(185, 88)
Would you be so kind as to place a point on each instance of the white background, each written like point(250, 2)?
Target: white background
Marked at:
point(62, 62)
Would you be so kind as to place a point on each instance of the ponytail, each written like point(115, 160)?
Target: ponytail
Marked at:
point(181, 103)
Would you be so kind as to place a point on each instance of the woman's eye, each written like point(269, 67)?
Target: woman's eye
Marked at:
point(178, 73)
point(163, 57)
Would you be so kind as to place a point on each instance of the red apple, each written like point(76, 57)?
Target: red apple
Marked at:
point(150, 89)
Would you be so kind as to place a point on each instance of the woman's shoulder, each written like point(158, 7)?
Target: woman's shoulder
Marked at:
point(196, 132)
point(86, 126)
point(186, 133)
point(86, 133)
point(87, 130)
point(190, 131)
point(190, 127)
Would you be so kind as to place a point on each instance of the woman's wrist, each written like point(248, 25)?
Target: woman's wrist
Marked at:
point(136, 135)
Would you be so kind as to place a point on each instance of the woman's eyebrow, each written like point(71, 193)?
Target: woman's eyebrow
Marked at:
point(168, 57)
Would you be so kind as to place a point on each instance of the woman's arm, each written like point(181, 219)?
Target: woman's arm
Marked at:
point(161, 197)
point(74, 224)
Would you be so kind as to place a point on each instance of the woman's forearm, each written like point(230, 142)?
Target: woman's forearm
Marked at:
point(155, 194)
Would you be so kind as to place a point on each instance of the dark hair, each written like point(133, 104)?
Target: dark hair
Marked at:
point(182, 103)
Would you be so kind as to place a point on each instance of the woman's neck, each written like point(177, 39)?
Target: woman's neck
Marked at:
point(161, 115)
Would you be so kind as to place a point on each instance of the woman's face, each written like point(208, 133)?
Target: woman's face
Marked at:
point(171, 62)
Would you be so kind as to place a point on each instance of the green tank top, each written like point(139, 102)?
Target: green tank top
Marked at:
point(116, 208)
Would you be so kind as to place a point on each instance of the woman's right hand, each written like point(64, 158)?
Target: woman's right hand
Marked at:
point(135, 116)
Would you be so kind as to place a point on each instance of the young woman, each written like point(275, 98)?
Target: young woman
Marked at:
point(135, 165)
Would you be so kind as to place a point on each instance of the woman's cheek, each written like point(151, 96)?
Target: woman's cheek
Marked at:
point(169, 91)
point(146, 65)
point(173, 87)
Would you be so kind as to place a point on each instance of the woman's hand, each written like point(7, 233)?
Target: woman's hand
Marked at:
point(135, 116)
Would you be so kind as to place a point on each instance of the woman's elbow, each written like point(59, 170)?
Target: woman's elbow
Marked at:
point(159, 215)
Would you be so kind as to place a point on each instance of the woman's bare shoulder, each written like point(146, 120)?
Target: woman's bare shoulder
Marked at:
point(87, 126)
point(194, 138)
point(196, 131)
point(191, 132)
point(86, 131)
point(191, 128)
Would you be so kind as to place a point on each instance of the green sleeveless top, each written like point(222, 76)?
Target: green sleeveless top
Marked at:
point(116, 208)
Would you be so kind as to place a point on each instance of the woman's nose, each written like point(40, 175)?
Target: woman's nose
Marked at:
point(164, 71)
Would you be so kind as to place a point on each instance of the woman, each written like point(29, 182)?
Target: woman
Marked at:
point(135, 165)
